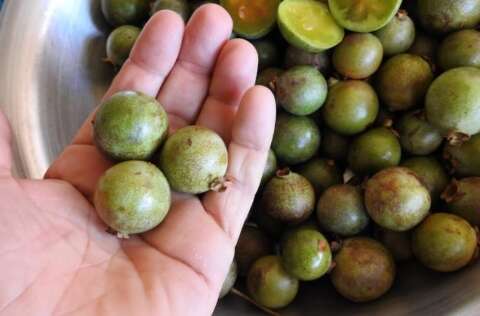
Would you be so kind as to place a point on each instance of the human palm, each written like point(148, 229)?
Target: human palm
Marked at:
point(56, 257)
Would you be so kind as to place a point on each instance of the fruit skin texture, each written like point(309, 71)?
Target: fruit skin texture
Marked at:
point(130, 126)
point(122, 12)
point(453, 101)
point(398, 243)
point(358, 56)
point(417, 136)
point(463, 199)
point(120, 42)
point(351, 107)
point(340, 210)
point(298, 57)
point(334, 146)
point(321, 173)
point(301, 90)
point(396, 199)
point(398, 35)
point(444, 16)
point(268, 54)
point(229, 280)
point(193, 159)
point(306, 254)
point(270, 285)
point(180, 7)
point(296, 139)
point(364, 271)
point(464, 158)
point(252, 244)
point(444, 242)
point(270, 167)
point(132, 197)
point(460, 49)
point(403, 81)
point(269, 76)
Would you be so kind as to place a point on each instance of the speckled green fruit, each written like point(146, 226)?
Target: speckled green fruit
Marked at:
point(398, 243)
point(321, 173)
point(396, 199)
point(463, 199)
point(132, 197)
point(122, 12)
point(268, 53)
point(301, 90)
point(398, 35)
point(341, 210)
point(334, 146)
point(351, 107)
point(270, 167)
point(288, 197)
point(464, 158)
point(229, 281)
point(460, 49)
point(299, 57)
point(270, 285)
point(444, 242)
point(194, 159)
point(453, 101)
point(306, 254)
point(130, 126)
point(444, 16)
point(358, 56)
point(181, 7)
point(120, 42)
point(417, 136)
point(403, 81)
point(296, 139)
point(252, 244)
point(268, 77)
point(364, 270)
point(425, 46)
point(374, 150)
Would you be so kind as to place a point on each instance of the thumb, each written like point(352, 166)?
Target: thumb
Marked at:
point(5, 146)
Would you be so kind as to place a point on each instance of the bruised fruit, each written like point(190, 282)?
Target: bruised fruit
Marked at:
point(460, 49)
point(321, 173)
point(444, 242)
point(229, 281)
point(194, 160)
point(398, 243)
point(132, 197)
point(252, 244)
point(417, 136)
point(120, 42)
point(268, 77)
point(398, 35)
point(299, 57)
point(464, 158)
point(270, 167)
point(268, 54)
point(424, 46)
point(334, 146)
point(463, 199)
point(364, 270)
point(181, 7)
point(122, 12)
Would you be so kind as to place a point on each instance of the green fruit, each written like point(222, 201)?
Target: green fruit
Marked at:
point(321, 173)
point(252, 19)
point(417, 136)
point(444, 242)
point(363, 15)
point(268, 77)
point(120, 42)
point(194, 160)
point(296, 139)
point(351, 107)
point(358, 56)
point(424, 46)
point(374, 150)
point(270, 285)
point(334, 146)
point(252, 244)
point(463, 158)
point(306, 254)
point(308, 25)
point(288, 197)
point(301, 90)
point(181, 7)
point(340, 210)
point(270, 167)
point(268, 53)
point(229, 280)
point(396, 199)
point(403, 81)
point(398, 243)
point(299, 57)
point(398, 35)
point(132, 197)
point(444, 16)
point(364, 270)
point(453, 101)
point(130, 126)
point(122, 12)
point(460, 49)
point(463, 199)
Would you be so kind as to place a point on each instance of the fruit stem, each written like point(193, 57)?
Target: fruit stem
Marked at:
point(283, 172)
point(457, 138)
point(251, 301)
point(402, 14)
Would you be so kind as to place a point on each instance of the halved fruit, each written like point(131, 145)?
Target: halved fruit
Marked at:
point(252, 18)
point(363, 15)
point(308, 25)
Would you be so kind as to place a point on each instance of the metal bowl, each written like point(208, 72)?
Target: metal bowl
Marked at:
point(51, 77)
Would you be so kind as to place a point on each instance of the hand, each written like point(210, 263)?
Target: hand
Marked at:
point(55, 256)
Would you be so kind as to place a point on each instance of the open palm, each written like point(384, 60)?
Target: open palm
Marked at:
point(56, 257)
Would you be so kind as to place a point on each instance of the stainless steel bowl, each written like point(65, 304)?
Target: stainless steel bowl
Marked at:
point(52, 75)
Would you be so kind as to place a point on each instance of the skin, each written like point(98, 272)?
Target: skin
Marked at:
point(444, 16)
point(181, 7)
point(121, 12)
point(460, 49)
point(120, 43)
point(153, 273)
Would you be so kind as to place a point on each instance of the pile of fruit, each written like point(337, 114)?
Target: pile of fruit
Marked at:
point(376, 153)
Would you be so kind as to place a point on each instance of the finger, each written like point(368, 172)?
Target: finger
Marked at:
point(187, 85)
point(251, 138)
point(234, 74)
point(5, 146)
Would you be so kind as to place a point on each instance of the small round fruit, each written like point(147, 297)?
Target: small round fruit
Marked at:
point(453, 101)
point(358, 56)
point(270, 285)
point(270, 167)
point(398, 35)
point(463, 199)
point(374, 150)
point(268, 77)
point(229, 280)
point(194, 159)
point(321, 173)
point(444, 242)
point(130, 126)
point(341, 211)
point(288, 197)
point(306, 254)
point(301, 90)
point(460, 49)
point(299, 57)
point(424, 46)
point(351, 107)
point(396, 199)
point(120, 42)
point(334, 146)
point(296, 138)
point(463, 158)
point(252, 244)
point(268, 53)
point(403, 81)
point(417, 136)
point(398, 243)
point(122, 12)
point(181, 7)
point(364, 270)
point(132, 197)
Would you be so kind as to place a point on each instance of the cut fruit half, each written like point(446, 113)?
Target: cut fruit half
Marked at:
point(308, 25)
point(364, 15)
